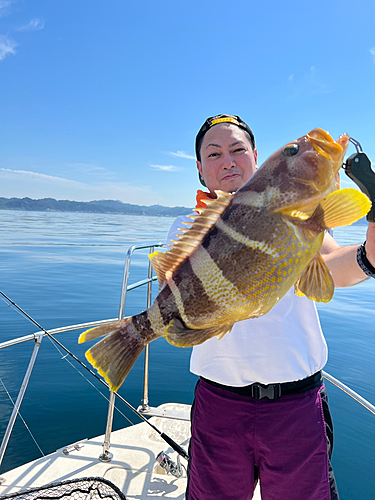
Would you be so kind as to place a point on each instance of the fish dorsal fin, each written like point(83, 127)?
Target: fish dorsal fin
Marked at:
point(166, 263)
point(316, 281)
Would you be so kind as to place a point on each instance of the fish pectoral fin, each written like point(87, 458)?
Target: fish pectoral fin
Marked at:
point(316, 281)
point(177, 334)
point(293, 211)
point(166, 263)
point(341, 208)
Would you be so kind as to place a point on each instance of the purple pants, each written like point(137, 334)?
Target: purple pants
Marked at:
point(236, 440)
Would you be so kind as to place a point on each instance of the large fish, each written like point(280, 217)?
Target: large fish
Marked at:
point(241, 254)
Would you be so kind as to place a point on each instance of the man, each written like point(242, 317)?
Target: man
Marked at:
point(238, 435)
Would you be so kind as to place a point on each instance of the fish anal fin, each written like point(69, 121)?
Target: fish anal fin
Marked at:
point(316, 281)
point(191, 237)
point(177, 334)
point(340, 208)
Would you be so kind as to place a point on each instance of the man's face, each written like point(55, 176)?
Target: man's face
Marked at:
point(227, 158)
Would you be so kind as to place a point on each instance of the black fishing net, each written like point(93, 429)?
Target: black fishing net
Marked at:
point(86, 488)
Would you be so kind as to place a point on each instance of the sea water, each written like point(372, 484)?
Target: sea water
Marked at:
point(67, 268)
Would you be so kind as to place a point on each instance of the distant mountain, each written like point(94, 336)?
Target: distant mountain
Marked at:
point(97, 207)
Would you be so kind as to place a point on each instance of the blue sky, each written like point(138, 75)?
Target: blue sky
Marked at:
point(102, 100)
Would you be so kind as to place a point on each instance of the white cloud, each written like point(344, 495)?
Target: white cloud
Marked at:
point(8, 173)
point(7, 47)
point(4, 4)
point(311, 82)
point(86, 167)
point(182, 154)
point(372, 52)
point(165, 168)
point(34, 25)
point(26, 183)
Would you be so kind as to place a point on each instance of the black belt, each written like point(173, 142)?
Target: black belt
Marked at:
point(273, 391)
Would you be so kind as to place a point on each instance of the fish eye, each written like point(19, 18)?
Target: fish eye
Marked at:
point(291, 150)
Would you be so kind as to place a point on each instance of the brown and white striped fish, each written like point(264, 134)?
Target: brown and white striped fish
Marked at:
point(241, 255)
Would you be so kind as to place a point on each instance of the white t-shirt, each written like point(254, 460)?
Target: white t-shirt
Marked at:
point(285, 345)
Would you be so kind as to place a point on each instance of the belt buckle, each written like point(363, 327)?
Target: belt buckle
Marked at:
point(261, 391)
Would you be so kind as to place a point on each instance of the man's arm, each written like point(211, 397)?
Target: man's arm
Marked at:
point(342, 261)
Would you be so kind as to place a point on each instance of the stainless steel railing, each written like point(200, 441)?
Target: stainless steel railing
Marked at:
point(38, 337)
point(8, 431)
point(106, 456)
point(350, 392)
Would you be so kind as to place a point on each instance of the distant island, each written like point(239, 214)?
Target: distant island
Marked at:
point(98, 207)
point(94, 207)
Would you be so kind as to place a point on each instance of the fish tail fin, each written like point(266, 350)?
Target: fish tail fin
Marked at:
point(114, 355)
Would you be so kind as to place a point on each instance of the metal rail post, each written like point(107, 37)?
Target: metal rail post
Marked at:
point(106, 456)
point(145, 407)
point(8, 431)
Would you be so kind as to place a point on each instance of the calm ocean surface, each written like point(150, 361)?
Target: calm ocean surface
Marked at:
point(66, 268)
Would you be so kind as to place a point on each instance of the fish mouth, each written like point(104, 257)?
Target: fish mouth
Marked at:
point(323, 144)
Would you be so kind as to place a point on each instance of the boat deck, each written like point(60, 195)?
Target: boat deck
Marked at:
point(132, 468)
